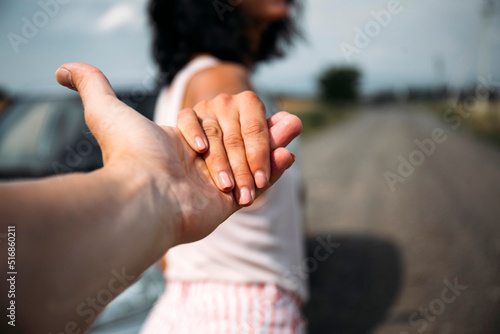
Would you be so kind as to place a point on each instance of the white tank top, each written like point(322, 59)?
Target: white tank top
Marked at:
point(262, 243)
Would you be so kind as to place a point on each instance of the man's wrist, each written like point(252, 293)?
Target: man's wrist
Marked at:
point(145, 197)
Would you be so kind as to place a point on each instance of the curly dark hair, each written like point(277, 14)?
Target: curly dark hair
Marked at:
point(183, 28)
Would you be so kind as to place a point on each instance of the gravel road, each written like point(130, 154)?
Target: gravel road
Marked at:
point(422, 257)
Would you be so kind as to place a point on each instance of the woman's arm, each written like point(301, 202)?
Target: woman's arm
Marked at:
point(241, 127)
point(80, 239)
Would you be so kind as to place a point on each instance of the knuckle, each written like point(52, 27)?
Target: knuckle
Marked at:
point(254, 129)
point(233, 140)
point(90, 74)
point(84, 79)
point(223, 98)
point(95, 72)
point(212, 129)
point(185, 113)
point(249, 96)
point(202, 105)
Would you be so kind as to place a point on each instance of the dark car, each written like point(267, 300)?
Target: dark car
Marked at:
point(43, 136)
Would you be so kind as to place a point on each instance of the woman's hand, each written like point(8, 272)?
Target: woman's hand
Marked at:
point(234, 136)
point(183, 195)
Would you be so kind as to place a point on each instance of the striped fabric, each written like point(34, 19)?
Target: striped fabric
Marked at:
point(225, 308)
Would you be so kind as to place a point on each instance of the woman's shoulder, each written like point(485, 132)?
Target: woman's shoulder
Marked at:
point(219, 71)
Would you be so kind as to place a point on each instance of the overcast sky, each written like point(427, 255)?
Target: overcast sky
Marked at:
point(404, 51)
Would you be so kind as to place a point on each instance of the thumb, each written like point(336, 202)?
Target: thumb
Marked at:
point(281, 160)
point(104, 113)
point(283, 128)
point(88, 81)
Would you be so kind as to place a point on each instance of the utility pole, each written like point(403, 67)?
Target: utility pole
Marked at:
point(440, 73)
point(488, 14)
point(486, 42)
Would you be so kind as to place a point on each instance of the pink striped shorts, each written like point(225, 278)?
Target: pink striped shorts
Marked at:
point(220, 308)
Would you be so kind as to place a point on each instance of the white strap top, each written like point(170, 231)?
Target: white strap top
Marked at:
point(259, 244)
point(170, 100)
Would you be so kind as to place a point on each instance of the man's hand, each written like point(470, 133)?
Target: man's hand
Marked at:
point(131, 144)
point(77, 231)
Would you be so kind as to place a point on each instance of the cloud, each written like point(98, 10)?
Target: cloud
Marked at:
point(403, 53)
point(121, 15)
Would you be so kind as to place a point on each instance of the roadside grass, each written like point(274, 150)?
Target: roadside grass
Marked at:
point(483, 121)
point(314, 113)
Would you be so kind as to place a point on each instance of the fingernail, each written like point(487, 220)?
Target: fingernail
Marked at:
point(225, 180)
point(245, 196)
point(260, 179)
point(64, 77)
point(291, 162)
point(200, 144)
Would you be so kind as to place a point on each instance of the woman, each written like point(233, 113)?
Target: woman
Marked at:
point(245, 277)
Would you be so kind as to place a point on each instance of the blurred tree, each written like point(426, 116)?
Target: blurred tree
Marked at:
point(4, 99)
point(3, 94)
point(340, 84)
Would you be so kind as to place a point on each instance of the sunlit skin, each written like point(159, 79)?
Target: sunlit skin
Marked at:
point(260, 14)
point(265, 11)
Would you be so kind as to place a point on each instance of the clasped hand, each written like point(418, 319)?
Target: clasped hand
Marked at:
point(222, 155)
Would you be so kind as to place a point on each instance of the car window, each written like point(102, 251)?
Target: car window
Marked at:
point(34, 132)
point(22, 138)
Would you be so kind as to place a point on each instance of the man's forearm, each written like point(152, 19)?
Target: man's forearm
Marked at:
point(77, 246)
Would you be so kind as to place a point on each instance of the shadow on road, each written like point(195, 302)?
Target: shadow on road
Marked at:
point(352, 290)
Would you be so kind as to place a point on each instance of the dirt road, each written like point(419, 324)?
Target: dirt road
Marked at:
point(422, 257)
